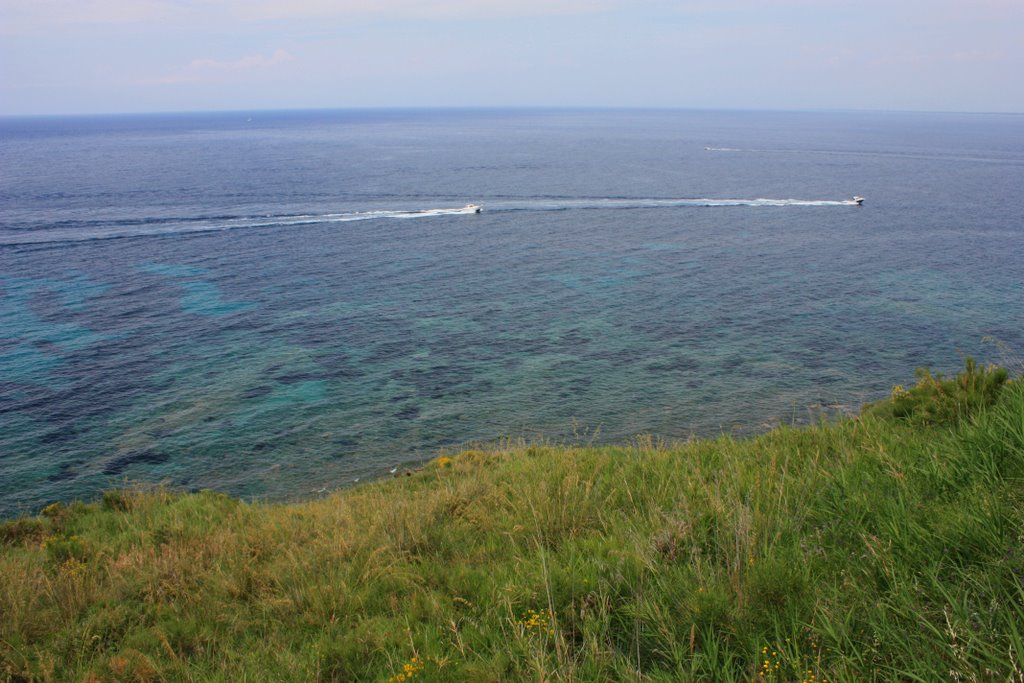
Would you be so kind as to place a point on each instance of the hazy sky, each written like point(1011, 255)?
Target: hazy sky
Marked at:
point(80, 56)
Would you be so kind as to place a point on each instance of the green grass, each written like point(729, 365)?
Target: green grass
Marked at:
point(888, 547)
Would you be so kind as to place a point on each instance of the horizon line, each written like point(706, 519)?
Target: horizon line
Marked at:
point(498, 108)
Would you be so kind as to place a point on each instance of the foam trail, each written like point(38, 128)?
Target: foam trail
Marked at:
point(115, 230)
point(162, 226)
point(555, 204)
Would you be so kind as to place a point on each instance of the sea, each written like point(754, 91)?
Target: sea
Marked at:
point(279, 304)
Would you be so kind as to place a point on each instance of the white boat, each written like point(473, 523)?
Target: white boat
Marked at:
point(468, 208)
point(858, 200)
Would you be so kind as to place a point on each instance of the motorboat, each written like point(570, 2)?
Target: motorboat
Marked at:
point(858, 200)
point(471, 208)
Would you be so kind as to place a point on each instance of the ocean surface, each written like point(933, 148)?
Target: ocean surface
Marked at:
point(275, 305)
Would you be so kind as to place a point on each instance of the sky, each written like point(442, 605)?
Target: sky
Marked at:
point(107, 56)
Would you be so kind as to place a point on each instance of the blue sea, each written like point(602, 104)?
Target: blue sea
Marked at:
point(278, 304)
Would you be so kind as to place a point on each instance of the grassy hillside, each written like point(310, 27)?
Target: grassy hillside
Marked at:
point(888, 547)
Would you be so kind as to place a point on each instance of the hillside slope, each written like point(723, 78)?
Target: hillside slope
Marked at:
point(878, 548)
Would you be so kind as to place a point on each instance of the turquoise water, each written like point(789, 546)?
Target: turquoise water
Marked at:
point(214, 302)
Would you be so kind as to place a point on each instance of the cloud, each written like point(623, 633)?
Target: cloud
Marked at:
point(278, 56)
point(980, 56)
point(41, 13)
point(205, 69)
point(24, 14)
point(421, 9)
point(18, 15)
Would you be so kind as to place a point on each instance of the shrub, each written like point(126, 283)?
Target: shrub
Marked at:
point(60, 549)
point(116, 501)
point(936, 400)
point(22, 530)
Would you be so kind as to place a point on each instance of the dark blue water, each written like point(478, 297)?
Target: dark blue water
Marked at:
point(274, 303)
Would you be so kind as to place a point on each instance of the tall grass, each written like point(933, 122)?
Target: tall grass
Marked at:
point(882, 548)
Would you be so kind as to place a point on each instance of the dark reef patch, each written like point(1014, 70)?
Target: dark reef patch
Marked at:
point(257, 392)
point(678, 364)
point(408, 413)
point(125, 460)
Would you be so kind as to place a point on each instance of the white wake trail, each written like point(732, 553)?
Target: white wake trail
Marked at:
point(162, 227)
point(559, 204)
point(194, 225)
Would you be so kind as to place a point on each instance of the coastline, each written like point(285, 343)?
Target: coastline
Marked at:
point(857, 549)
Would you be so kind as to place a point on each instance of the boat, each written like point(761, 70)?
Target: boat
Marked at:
point(858, 200)
point(471, 208)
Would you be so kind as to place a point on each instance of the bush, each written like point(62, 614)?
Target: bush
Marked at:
point(60, 549)
point(936, 400)
point(116, 501)
point(22, 530)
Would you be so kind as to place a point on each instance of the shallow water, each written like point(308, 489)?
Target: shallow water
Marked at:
point(278, 306)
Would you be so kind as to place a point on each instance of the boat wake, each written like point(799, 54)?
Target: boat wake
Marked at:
point(81, 231)
point(627, 203)
point(70, 231)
